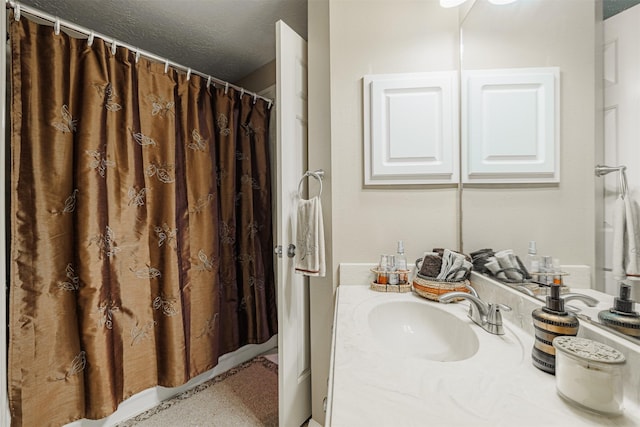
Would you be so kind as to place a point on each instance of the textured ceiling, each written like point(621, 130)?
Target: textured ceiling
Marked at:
point(613, 7)
point(227, 39)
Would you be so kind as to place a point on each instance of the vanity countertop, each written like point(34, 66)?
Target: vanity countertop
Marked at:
point(372, 386)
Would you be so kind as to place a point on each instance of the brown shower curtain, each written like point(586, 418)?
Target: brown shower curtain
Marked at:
point(141, 246)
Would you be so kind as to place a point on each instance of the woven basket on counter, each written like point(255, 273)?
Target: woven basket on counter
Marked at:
point(385, 287)
point(431, 288)
point(402, 288)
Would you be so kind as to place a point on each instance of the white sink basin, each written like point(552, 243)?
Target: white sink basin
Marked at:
point(412, 329)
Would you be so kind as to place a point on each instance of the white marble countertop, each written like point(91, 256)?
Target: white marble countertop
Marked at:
point(373, 386)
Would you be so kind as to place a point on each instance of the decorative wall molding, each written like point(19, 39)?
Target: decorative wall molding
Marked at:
point(411, 128)
point(510, 125)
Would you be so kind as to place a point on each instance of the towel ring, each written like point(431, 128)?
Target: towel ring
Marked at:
point(602, 170)
point(317, 175)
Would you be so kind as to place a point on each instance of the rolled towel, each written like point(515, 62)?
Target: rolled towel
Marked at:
point(431, 264)
point(493, 266)
point(507, 261)
point(479, 258)
point(451, 261)
point(447, 261)
point(460, 274)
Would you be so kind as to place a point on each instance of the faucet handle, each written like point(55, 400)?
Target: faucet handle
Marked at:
point(499, 306)
point(494, 318)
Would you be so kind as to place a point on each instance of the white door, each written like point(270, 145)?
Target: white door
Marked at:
point(621, 125)
point(294, 360)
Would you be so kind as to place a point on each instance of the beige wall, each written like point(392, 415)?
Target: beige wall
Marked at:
point(351, 38)
point(379, 37)
point(259, 79)
point(348, 39)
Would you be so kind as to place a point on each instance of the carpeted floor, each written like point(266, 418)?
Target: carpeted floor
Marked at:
point(246, 396)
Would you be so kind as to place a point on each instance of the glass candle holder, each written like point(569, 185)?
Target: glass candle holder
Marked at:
point(589, 374)
point(383, 270)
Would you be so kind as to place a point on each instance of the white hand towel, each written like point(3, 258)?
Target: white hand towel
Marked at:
point(618, 268)
point(460, 274)
point(626, 242)
point(450, 262)
point(506, 259)
point(493, 266)
point(310, 256)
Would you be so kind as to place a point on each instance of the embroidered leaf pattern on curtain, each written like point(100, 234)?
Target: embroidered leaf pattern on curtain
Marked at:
point(141, 226)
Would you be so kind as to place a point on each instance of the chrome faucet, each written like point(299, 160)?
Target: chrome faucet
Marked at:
point(590, 301)
point(487, 316)
point(471, 290)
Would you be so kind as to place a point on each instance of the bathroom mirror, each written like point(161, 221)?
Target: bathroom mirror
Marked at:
point(559, 216)
point(568, 220)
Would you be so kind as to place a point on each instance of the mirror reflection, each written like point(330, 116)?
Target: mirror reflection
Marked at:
point(573, 222)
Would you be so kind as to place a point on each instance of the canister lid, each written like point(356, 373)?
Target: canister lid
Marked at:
point(589, 350)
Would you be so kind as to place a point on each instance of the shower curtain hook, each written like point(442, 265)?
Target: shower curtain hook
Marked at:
point(255, 98)
point(226, 87)
point(137, 55)
point(56, 26)
point(90, 38)
point(188, 73)
point(269, 106)
point(208, 82)
point(114, 46)
point(16, 12)
point(241, 92)
point(166, 66)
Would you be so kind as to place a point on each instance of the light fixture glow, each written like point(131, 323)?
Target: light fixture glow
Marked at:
point(501, 2)
point(451, 3)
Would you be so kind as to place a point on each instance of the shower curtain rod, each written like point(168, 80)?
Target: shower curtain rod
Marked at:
point(19, 8)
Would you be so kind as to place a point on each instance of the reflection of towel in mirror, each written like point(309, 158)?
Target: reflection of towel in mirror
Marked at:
point(310, 257)
point(626, 242)
point(494, 267)
point(507, 260)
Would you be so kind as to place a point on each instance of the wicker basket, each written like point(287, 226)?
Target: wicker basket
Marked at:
point(379, 287)
point(430, 288)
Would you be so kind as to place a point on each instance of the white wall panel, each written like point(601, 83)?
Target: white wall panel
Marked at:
point(411, 128)
point(510, 125)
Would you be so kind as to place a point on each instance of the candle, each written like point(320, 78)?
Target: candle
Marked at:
point(589, 374)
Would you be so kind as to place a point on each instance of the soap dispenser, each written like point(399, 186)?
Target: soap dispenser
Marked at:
point(550, 322)
point(621, 316)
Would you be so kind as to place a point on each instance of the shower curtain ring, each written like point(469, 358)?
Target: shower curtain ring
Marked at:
point(56, 26)
point(188, 73)
point(255, 98)
point(90, 39)
point(137, 55)
point(226, 87)
point(166, 66)
point(113, 47)
point(16, 12)
point(208, 82)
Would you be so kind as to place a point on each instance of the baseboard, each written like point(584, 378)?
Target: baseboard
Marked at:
point(149, 398)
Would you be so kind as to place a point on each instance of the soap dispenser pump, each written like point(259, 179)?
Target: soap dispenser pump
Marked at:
point(549, 322)
point(621, 316)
